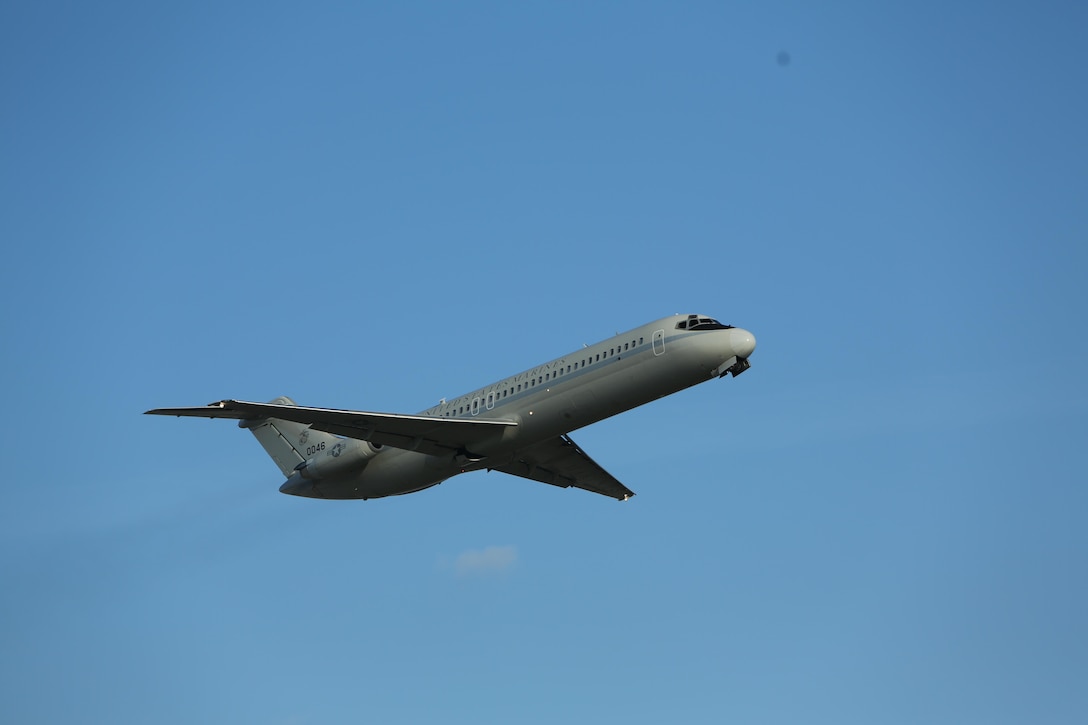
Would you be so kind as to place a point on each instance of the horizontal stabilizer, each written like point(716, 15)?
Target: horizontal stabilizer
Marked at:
point(212, 410)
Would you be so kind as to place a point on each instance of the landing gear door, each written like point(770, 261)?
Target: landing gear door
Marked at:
point(659, 342)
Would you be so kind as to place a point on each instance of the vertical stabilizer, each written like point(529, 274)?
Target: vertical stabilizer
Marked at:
point(287, 442)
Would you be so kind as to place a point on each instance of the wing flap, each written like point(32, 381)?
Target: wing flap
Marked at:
point(426, 434)
point(561, 462)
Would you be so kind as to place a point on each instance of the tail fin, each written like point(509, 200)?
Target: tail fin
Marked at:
point(287, 442)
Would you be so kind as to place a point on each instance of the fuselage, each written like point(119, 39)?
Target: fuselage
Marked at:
point(554, 398)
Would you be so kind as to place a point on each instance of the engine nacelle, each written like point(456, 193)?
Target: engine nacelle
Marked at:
point(333, 461)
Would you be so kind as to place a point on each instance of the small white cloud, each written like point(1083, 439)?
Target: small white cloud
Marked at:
point(492, 560)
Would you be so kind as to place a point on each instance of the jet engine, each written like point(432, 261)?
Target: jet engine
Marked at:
point(336, 460)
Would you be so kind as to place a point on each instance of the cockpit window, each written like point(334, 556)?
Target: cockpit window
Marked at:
point(694, 322)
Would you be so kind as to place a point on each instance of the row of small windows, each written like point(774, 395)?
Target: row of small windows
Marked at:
point(488, 402)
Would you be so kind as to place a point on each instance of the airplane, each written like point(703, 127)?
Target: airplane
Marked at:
point(518, 425)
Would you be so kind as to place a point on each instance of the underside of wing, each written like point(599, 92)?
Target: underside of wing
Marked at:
point(560, 462)
point(425, 434)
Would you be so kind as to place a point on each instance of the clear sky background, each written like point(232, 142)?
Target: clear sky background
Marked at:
point(375, 205)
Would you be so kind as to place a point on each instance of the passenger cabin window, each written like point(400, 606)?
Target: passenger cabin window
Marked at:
point(694, 322)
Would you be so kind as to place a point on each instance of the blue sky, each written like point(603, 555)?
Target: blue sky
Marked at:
point(374, 206)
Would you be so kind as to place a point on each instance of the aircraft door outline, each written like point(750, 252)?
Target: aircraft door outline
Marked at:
point(659, 342)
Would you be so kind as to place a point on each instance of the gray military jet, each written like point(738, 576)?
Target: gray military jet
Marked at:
point(518, 425)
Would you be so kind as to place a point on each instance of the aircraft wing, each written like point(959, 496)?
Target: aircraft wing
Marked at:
point(423, 433)
point(560, 462)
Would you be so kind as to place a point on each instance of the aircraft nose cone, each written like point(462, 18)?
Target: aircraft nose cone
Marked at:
point(742, 342)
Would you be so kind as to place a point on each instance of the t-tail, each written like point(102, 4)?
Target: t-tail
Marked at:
point(288, 443)
point(308, 457)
